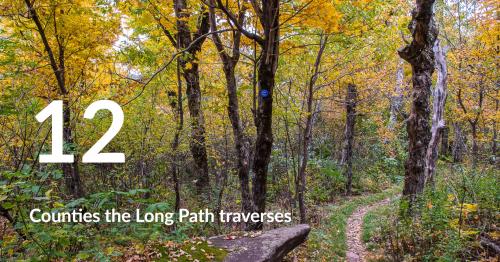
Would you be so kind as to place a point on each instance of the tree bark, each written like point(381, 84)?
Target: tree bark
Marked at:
point(241, 141)
point(266, 74)
point(306, 136)
point(419, 53)
point(190, 72)
point(438, 123)
point(346, 161)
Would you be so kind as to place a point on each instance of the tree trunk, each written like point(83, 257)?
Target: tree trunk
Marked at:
point(475, 147)
point(458, 149)
point(495, 134)
point(346, 161)
point(179, 116)
point(419, 53)
point(266, 73)
point(306, 139)
point(397, 97)
point(190, 72)
point(70, 170)
point(438, 124)
point(268, 14)
point(241, 141)
point(445, 141)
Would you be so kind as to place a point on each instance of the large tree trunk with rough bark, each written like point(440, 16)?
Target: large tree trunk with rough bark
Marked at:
point(241, 141)
point(189, 64)
point(419, 53)
point(346, 161)
point(438, 124)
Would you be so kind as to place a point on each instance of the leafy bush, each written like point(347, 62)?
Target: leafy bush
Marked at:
point(445, 224)
point(22, 191)
point(325, 181)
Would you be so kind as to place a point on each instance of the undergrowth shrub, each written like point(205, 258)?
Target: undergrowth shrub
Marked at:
point(448, 223)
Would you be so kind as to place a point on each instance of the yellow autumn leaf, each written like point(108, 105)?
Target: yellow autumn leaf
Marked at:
point(470, 207)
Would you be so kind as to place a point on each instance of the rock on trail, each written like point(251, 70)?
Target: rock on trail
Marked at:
point(267, 246)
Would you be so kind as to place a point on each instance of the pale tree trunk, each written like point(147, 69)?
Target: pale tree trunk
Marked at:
point(419, 53)
point(241, 141)
point(438, 123)
point(346, 161)
point(397, 97)
point(306, 136)
point(190, 71)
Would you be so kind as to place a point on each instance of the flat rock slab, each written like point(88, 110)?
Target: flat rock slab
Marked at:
point(268, 246)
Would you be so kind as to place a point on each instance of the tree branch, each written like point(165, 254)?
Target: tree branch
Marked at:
point(57, 71)
point(233, 19)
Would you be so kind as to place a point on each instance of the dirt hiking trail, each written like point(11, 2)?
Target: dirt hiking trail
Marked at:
point(355, 248)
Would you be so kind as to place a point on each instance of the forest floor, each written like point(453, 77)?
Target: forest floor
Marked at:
point(355, 247)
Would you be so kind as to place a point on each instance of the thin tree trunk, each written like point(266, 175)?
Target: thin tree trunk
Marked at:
point(308, 130)
point(190, 72)
point(458, 149)
point(438, 123)
point(419, 53)
point(241, 141)
point(475, 147)
point(70, 170)
point(397, 97)
point(445, 141)
point(346, 161)
point(179, 116)
point(495, 135)
point(268, 14)
point(473, 121)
